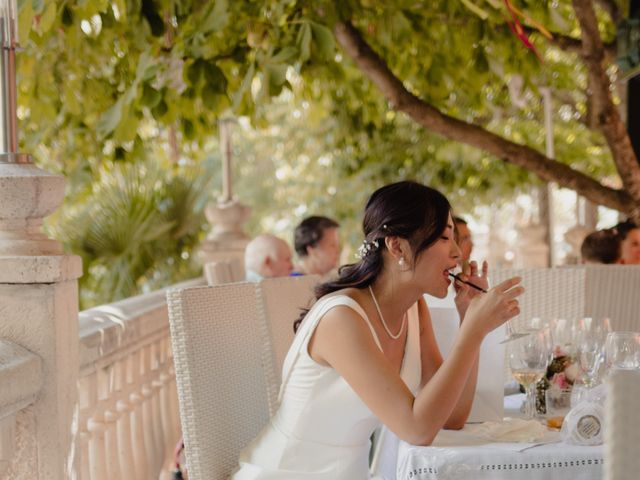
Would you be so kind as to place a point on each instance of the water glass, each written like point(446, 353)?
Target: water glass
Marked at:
point(622, 350)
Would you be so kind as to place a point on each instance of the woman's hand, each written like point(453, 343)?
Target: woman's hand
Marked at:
point(465, 293)
point(487, 311)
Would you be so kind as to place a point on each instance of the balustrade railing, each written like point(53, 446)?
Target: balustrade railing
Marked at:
point(128, 422)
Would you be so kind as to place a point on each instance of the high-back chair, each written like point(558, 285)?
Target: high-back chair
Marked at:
point(622, 426)
point(283, 299)
point(223, 368)
point(549, 292)
point(226, 368)
point(611, 292)
point(223, 271)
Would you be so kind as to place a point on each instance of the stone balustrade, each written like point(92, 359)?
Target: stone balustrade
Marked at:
point(128, 423)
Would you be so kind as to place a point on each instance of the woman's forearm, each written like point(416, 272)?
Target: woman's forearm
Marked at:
point(460, 413)
point(438, 399)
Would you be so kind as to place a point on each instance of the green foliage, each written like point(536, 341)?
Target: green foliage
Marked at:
point(138, 227)
point(101, 83)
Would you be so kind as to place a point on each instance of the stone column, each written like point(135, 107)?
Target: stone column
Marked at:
point(227, 239)
point(39, 311)
point(532, 249)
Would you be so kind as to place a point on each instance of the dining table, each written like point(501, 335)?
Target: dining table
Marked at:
point(466, 454)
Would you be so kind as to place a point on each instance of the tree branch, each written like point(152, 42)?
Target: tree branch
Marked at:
point(432, 119)
point(573, 45)
point(607, 116)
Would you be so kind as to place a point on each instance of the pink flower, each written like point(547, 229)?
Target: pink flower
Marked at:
point(560, 380)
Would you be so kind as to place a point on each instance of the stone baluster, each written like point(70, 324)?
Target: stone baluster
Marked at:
point(152, 438)
point(124, 429)
point(167, 415)
point(158, 430)
point(96, 427)
point(137, 418)
point(86, 403)
point(110, 417)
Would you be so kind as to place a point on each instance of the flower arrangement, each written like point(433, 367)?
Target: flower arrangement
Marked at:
point(561, 374)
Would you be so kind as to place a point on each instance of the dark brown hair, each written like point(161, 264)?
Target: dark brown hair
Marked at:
point(405, 209)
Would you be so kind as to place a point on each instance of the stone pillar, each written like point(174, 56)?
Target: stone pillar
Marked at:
point(227, 239)
point(574, 237)
point(39, 311)
point(532, 250)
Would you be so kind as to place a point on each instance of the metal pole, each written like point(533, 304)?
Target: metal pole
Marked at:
point(225, 150)
point(546, 197)
point(8, 89)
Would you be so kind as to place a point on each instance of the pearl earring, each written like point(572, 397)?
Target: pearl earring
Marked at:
point(401, 262)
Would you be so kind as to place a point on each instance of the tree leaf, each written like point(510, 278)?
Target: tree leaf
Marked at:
point(217, 17)
point(215, 78)
point(150, 96)
point(109, 120)
point(285, 55)
point(245, 86)
point(304, 41)
point(323, 40)
point(48, 17)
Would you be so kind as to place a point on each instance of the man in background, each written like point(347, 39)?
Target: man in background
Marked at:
point(464, 240)
point(267, 256)
point(317, 243)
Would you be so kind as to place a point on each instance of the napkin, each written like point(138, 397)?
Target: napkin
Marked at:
point(510, 430)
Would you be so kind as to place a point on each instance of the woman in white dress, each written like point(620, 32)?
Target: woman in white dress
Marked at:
point(365, 354)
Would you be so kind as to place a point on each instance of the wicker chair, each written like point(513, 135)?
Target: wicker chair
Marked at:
point(622, 426)
point(226, 369)
point(223, 271)
point(283, 299)
point(611, 292)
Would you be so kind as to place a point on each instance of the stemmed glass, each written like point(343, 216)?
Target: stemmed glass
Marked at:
point(622, 350)
point(511, 334)
point(591, 338)
point(533, 325)
point(528, 359)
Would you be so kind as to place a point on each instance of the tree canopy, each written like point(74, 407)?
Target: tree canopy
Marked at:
point(438, 90)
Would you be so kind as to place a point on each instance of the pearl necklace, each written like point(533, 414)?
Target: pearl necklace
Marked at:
point(384, 324)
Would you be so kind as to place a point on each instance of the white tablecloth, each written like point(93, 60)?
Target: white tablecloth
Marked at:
point(459, 455)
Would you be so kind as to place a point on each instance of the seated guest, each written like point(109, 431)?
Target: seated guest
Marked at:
point(602, 246)
point(317, 244)
point(267, 256)
point(464, 240)
point(629, 234)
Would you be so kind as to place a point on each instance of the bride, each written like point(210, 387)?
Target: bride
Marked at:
point(366, 354)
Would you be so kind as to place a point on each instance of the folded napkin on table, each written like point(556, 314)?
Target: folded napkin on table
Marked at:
point(510, 430)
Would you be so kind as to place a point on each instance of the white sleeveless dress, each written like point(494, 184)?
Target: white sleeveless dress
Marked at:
point(322, 428)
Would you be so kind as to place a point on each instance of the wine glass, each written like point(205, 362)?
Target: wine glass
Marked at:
point(532, 325)
point(591, 339)
point(622, 350)
point(528, 359)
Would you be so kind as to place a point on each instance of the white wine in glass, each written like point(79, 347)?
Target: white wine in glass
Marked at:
point(528, 358)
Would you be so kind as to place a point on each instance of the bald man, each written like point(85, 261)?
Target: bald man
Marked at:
point(267, 256)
